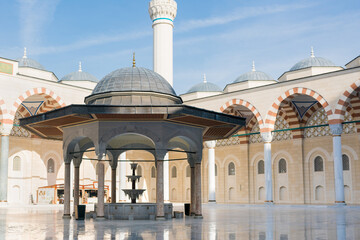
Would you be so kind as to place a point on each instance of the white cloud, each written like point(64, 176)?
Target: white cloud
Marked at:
point(34, 16)
point(239, 14)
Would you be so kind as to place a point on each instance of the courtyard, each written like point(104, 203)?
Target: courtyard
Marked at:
point(231, 221)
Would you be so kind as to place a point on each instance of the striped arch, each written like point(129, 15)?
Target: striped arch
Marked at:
point(271, 115)
point(228, 107)
point(3, 112)
point(344, 102)
point(49, 95)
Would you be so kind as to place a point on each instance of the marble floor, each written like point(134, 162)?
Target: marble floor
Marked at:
point(220, 222)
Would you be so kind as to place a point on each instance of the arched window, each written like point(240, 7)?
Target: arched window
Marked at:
point(139, 170)
point(231, 169)
point(50, 166)
point(188, 173)
point(17, 163)
point(153, 172)
point(282, 166)
point(346, 162)
point(261, 168)
point(215, 170)
point(318, 164)
point(173, 172)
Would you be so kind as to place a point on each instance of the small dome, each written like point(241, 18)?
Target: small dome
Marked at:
point(28, 62)
point(79, 76)
point(205, 87)
point(312, 62)
point(253, 76)
point(133, 85)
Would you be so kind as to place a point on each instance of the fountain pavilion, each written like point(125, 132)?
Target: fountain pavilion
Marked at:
point(132, 109)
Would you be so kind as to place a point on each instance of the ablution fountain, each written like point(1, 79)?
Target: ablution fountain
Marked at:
point(133, 210)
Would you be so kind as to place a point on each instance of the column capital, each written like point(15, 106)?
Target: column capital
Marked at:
point(210, 144)
point(266, 136)
point(336, 129)
point(5, 129)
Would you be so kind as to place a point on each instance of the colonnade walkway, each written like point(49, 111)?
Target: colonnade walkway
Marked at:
point(220, 222)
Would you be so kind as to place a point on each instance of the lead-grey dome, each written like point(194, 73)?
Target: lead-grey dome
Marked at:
point(312, 61)
point(253, 76)
point(79, 76)
point(205, 86)
point(28, 62)
point(143, 86)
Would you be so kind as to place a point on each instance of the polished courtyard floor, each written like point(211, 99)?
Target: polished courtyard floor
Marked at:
point(220, 222)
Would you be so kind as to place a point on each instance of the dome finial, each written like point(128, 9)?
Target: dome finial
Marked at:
point(24, 53)
point(134, 61)
point(312, 52)
point(205, 81)
point(253, 66)
point(80, 69)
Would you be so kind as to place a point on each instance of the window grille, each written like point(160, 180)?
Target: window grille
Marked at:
point(231, 169)
point(346, 162)
point(50, 166)
point(319, 164)
point(153, 172)
point(282, 166)
point(261, 167)
point(17, 163)
point(173, 172)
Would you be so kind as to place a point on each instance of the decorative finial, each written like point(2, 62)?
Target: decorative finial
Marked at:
point(80, 69)
point(253, 66)
point(24, 53)
point(134, 61)
point(205, 81)
point(312, 52)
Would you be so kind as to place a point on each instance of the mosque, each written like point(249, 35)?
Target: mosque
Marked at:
point(300, 144)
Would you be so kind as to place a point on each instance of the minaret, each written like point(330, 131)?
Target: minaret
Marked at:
point(163, 13)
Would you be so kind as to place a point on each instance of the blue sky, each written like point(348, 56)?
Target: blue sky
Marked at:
point(219, 38)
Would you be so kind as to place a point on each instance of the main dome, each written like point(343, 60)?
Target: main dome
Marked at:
point(312, 61)
point(133, 86)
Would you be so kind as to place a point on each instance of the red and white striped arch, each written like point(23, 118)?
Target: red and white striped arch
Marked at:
point(271, 115)
point(49, 96)
point(343, 103)
point(226, 108)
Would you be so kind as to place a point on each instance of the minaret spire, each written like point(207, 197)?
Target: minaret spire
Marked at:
point(24, 53)
point(80, 69)
point(312, 52)
point(205, 81)
point(253, 66)
point(134, 61)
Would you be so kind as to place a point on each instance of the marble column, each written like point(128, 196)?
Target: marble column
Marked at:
point(76, 186)
point(100, 195)
point(113, 184)
point(166, 178)
point(193, 192)
point(160, 214)
point(211, 167)
point(67, 191)
point(198, 208)
point(4, 167)
point(122, 177)
point(336, 130)
point(267, 138)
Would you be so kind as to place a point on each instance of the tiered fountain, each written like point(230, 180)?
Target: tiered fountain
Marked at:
point(133, 210)
point(133, 193)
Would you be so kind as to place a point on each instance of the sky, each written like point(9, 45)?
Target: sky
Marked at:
point(219, 38)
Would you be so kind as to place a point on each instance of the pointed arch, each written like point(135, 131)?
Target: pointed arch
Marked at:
point(226, 108)
point(289, 94)
point(49, 95)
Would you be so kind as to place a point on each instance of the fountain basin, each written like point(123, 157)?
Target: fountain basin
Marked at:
point(138, 211)
point(133, 193)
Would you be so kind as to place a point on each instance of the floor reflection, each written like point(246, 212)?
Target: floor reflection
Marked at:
point(220, 222)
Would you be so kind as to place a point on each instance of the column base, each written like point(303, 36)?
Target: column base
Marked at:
point(212, 201)
point(269, 202)
point(198, 216)
point(99, 218)
point(192, 214)
point(340, 203)
point(160, 218)
point(66, 216)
